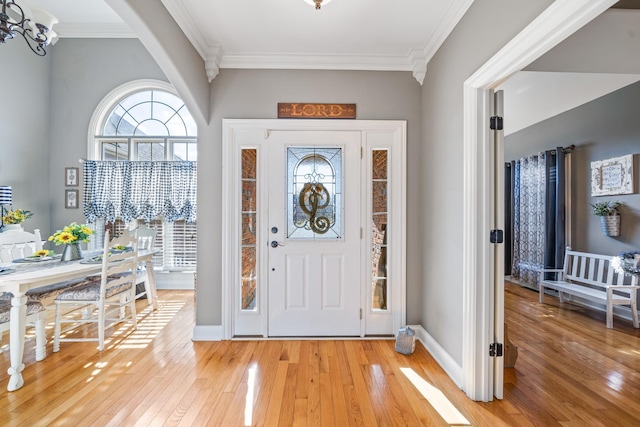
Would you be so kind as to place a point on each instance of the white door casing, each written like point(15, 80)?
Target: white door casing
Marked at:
point(556, 23)
point(497, 197)
point(256, 136)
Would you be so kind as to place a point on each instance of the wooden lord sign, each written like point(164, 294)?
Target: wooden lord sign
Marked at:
point(287, 110)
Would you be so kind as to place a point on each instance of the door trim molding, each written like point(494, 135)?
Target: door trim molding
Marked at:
point(556, 23)
point(230, 200)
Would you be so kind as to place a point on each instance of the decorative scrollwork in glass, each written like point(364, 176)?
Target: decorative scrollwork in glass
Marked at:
point(314, 197)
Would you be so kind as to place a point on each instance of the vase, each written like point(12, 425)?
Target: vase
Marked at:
point(610, 225)
point(72, 252)
point(12, 227)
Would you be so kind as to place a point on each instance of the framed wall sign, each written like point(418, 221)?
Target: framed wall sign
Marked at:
point(301, 110)
point(71, 177)
point(71, 198)
point(612, 176)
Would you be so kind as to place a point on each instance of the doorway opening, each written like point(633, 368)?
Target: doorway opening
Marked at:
point(481, 284)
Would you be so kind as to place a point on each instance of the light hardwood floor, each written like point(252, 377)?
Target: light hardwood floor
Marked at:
point(571, 370)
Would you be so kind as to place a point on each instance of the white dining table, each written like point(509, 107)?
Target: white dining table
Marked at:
point(46, 273)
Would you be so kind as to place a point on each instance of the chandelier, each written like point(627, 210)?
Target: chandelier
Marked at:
point(34, 25)
point(317, 3)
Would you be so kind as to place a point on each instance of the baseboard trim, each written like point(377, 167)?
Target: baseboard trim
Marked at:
point(175, 280)
point(207, 333)
point(446, 362)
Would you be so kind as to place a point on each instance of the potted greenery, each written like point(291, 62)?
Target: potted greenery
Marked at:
point(609, 214)
point(13, 219)
point(71, 236)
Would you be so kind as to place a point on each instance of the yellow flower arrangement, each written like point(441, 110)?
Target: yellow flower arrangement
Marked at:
point(72, 233)
point(15, 217)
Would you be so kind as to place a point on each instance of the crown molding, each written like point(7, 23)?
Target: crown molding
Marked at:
point(445, 26)
point(316, 62)
point(212, 62)
point(418, 64)
point(185, 21)
point(415, 61)
point(420, 57)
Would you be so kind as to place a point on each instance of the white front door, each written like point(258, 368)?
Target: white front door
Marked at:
point(314, 242)
point(329, 195)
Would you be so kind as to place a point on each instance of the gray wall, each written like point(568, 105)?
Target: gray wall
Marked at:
point(472, 43)
point(78, 73)
point(604, 128)
point(254, 94)
point(24, 130)
point(83, 72)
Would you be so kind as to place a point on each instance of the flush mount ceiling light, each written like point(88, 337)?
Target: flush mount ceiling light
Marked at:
point(317, 3)
point(34, 25)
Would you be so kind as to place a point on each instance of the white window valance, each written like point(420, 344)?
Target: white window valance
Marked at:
point(140, 190)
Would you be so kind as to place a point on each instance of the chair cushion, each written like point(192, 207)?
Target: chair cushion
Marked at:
point(50, 290)
point(112, 276)
point(90, 291)
point(5, 309)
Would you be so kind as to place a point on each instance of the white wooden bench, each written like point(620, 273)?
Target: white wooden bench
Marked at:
point(591, 276)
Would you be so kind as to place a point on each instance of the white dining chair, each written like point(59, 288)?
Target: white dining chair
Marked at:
point(16, 244)
point(107, 297)
point(146, 241)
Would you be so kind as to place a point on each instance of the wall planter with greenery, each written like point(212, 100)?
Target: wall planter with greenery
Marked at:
point(609, 214)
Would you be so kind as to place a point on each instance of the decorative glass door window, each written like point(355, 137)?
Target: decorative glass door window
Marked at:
point(249, 286)
point(379, 186)
point(314, 193)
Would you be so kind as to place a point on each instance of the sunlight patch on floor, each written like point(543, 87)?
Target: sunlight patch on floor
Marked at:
point(615, 380)
point(97, 368)
point(436, 399)
point(248, 405)
point(149, 325)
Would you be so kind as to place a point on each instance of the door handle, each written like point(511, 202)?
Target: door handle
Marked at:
point(275, 244)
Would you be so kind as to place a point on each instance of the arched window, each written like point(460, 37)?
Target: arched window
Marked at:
point(146, 124)
point(146, 120)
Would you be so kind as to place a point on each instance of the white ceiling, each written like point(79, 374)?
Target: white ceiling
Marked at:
point(344, 34)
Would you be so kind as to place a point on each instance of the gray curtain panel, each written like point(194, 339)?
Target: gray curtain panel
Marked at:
point(529, 218)
point(535, 214)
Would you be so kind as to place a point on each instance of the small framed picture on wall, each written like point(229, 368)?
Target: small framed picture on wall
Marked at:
point(71, 199)
point(71, 177)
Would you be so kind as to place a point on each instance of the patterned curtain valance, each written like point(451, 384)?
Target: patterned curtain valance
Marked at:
point(140, 190)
